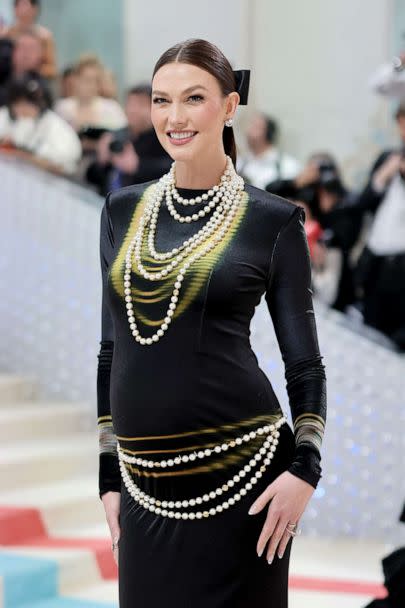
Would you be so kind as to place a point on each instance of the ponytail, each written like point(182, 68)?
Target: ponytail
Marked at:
point(228, 139)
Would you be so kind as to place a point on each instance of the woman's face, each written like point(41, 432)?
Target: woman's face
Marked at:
point(189, 111)
point(87, 82)
point(24, 109)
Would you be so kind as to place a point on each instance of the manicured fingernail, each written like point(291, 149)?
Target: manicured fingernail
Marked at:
point(259, 553)
point(270, 559)
point(252, 510)
point(280, 555)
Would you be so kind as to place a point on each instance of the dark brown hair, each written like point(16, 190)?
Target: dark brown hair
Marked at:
point(208, 57)
point(31, 88)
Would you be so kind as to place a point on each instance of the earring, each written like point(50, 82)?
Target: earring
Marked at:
point(229, 122)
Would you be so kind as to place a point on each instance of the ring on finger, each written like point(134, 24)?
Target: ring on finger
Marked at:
point(292, 529)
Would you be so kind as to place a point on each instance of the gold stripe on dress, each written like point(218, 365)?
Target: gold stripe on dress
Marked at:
point(270, 418)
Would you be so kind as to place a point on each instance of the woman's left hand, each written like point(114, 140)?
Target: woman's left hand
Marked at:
point(289, 496)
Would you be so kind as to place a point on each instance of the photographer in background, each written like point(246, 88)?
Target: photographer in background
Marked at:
point(380, 275)
point(133, 154)
point(320, 187)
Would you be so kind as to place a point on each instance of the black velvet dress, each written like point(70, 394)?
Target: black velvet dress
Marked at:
point(200, 385)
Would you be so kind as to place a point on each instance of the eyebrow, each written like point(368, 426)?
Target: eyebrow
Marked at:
point(196, 86)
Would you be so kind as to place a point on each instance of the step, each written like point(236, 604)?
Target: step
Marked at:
point(22, 420)
point(325, 557)
point(64, 504)
point(24, 463)
point(69, 602)
point(17, 388)
point(74, 567)
point(106, 591)
point(96, 531)
point(20, 572)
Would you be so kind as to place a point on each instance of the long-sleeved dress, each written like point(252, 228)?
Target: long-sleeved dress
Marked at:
point(199, 392)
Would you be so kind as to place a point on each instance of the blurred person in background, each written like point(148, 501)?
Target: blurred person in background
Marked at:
point(265, 163)
point(67, 82)
point(26, 14)
point(319, 185)
point(31, 131)
point(86, 108)
point(131, 155)
point(25, 57)
point(380, 274)
point(108, 84)
point(389, 79)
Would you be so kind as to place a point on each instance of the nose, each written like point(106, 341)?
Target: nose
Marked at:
point(177, 116)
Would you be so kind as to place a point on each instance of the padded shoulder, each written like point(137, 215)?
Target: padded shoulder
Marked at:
point(270, 207)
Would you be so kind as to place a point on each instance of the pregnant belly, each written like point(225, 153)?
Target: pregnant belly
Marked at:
point(168, 399)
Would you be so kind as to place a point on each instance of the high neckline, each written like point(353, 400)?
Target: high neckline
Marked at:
point(191, 191)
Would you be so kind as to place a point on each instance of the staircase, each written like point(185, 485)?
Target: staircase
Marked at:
point(54, 540)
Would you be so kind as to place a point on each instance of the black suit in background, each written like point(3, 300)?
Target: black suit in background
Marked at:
point(154, 162)
point(380, 279)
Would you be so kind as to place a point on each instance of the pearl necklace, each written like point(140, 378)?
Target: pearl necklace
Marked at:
point(212, 192)
point(160, 506)
point(217, 227)
point(218, 192)
point(196, 455)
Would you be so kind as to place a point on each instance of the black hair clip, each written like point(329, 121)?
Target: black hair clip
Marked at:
point(242, 79)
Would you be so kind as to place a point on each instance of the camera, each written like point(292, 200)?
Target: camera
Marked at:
point(329, 178)
point(120, 140)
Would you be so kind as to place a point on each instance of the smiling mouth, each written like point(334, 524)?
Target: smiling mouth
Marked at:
point(181, 135)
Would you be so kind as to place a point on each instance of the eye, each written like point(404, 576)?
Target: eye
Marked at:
point(159, 100)
point(194, 98)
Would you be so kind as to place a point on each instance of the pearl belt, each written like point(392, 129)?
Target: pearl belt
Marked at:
point(196, 455)
point(166, 508)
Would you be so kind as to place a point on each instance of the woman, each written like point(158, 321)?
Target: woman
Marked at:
point(202, 480)
point(26, 14)
point(30, 130)
point(87, 108)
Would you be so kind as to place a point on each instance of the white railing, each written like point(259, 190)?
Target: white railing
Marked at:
point(50, 283)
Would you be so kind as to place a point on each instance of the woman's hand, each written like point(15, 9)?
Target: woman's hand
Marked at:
point(111, 502)
point(289, 497)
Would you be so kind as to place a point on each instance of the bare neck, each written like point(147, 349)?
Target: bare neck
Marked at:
point(199, 175)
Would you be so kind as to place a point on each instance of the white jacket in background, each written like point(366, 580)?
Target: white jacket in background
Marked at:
point(48, 137)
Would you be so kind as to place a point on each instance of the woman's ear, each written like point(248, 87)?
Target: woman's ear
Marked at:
point(232, 103)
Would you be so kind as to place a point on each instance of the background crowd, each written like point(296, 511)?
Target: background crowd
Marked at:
point(72, 123)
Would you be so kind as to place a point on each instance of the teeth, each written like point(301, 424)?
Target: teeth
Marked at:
point(181, 135)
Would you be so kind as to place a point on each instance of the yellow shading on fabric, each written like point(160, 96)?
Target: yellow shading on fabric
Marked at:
point(195, 277)
point(266, 418)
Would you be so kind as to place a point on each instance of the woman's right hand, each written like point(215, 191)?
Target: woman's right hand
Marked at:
point(111, 501)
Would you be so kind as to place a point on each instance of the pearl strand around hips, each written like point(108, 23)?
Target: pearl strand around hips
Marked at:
point(160, 507)
point(220, 220)
point(201, 454)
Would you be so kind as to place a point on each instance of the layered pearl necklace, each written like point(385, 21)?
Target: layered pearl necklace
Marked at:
point(225, 199)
